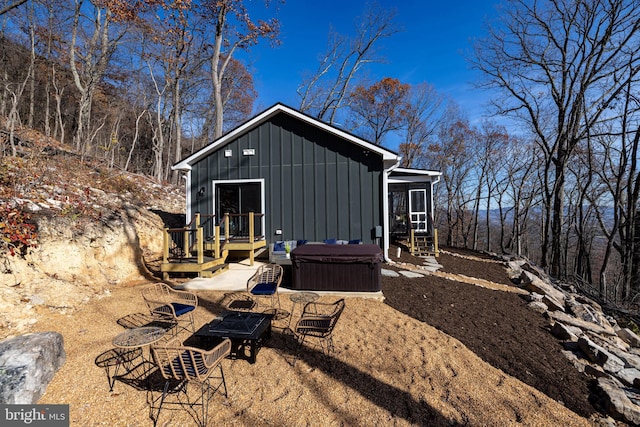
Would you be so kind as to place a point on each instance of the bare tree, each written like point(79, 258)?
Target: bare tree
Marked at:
point(238, 95)
point(11, 6)
point(561, 64)
point(88, 60)
point(378, 109)
point(492, 140)
point(324, 93)
point(423, 113)
point(233, 29)
point(451, 155)
point(521, 161)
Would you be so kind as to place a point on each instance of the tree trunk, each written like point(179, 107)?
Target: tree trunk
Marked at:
point(557, 264)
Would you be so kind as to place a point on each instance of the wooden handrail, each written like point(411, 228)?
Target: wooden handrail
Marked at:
point(190, 239)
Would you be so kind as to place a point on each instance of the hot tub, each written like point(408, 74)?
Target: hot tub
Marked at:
point(350, 268)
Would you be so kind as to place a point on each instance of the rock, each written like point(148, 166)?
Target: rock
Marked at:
point(552, 303)
point(530, 297)
point(577, 362)
point(616, 402)
point(603, 422)
point(389, 273)
point(538, 306)
point(410, 274)
point(532, 283)
point(571, 346)
point(628, 336)
point(595, 371)
point(588, 313)
point(599, 355)
point(514, 268)
point(565, 333)
point(630, 359)
point(588, 326)
point(28, 365)
point(628, 376)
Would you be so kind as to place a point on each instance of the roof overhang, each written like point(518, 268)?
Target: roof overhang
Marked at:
point(389, 158)
point(413, 175)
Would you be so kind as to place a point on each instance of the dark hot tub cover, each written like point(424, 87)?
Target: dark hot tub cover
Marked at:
point(354, 268)
point(338, 253)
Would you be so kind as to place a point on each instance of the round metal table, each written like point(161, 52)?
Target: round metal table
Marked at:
point(301, 298)
point(139, 337)
point(116, 357)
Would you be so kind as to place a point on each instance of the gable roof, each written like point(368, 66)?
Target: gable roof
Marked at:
point(390, 158)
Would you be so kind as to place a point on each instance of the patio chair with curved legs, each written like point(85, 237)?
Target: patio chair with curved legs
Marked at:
point(172, 305)
point(181, 365)
point(265, 283)
point(318, 321)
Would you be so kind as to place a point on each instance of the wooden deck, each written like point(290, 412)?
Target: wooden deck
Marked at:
point(201, 248)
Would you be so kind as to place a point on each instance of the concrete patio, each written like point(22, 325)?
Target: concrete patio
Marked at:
point(236, 277)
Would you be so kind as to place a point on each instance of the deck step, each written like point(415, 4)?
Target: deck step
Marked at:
point(260, 251)
point(214, 271)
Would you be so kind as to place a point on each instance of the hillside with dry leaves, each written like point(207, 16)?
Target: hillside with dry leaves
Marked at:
point(71, 228)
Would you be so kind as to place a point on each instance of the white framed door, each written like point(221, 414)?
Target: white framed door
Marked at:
point(239, 197)
point(418, 209)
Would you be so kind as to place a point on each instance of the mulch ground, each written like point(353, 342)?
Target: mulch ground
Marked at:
point(495, 325)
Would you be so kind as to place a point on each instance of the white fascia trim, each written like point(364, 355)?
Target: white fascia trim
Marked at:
point(186, 163)
point(386, 154)
point(418, 171)
point(388, 157)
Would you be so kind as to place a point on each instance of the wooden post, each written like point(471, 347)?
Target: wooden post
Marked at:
point(412, 242)
point(165, 246)
point(216, 243)
point(200, 245)
point(226, 227)
point(185, 242)
point(435, 241)
point(165, 252)
point(251, 237)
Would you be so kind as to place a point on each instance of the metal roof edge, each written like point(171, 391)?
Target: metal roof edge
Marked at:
point(417, 171)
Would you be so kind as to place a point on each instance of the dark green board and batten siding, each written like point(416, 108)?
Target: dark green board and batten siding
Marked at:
point(317, 185)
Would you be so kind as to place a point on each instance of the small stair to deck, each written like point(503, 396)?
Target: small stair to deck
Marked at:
point(214, 271)
point(422, 244)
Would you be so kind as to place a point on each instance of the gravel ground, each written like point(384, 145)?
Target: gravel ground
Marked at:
point(392, 365)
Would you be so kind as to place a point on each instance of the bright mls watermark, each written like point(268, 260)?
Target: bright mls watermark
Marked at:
point(34, 415)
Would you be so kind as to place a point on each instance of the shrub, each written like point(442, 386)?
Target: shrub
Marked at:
point(17, 233)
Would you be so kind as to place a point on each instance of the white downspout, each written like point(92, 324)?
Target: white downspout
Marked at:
point(385, 211)
point(187, 184)
point(433, 219)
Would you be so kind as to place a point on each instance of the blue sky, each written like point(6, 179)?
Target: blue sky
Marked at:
point(430, 48)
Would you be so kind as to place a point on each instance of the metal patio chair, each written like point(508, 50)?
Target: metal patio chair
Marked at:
point(317, 322)
point(182, 365)
point(171, 305)
point(265, 283)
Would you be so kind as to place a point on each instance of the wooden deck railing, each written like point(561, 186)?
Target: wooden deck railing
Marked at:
point(191, 242)
point(244, 227)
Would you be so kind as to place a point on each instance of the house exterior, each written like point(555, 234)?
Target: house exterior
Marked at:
point(309, 181)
